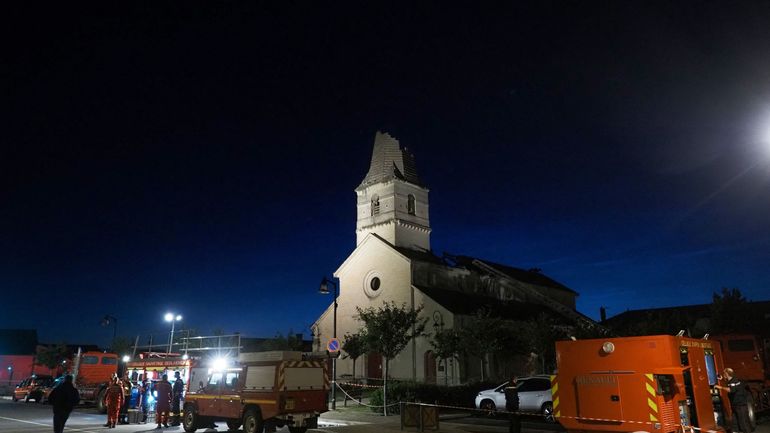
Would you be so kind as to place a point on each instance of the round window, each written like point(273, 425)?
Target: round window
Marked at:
point(375, 284)
point(372, 284)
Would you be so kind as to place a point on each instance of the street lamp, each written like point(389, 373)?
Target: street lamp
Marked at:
point(10, 374)
point(108, 320)
point(170, 317)
point(324, 290)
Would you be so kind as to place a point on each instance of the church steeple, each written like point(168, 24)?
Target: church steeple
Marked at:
point(392, 199)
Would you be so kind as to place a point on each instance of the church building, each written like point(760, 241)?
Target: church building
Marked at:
point(393, 262)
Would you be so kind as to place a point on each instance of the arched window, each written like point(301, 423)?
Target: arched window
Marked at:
point(375, 205)
point(410, 204)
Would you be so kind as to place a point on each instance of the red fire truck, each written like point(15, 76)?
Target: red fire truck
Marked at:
point(261, 390)
point(748, 356)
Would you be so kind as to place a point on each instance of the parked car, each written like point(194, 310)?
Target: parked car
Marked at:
point(534, 396)
point(49, 387)
point(32, 388)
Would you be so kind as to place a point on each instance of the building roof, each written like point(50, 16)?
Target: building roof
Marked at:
point(468, 304)
point(18, 341)
point(531, 276)
point(390, 161)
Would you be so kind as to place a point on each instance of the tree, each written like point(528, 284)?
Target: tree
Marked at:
point(483, 336)
point(291, 342)
point(446, 344)
point(354, 346)
point(540, 337)
point(121, 346)
point(730, 312)
point(51, 356)
point(387, 330)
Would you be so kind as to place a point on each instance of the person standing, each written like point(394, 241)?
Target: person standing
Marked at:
point(125, 384)
point(176, 399)
point(114, 400)
point(512, 405)
point(145, 392)
point(163, 402)
point(64, 397)
point(739, 400)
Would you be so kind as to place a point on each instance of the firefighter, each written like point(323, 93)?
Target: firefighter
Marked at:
point(176, 399)
point(114, 400)
point(738, 400)
point(512, 406)
point(163, 403)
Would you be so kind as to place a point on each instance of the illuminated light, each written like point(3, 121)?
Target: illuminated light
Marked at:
point(169, 317)
point(608, 347)
point(126, 358)
point(185, 357)
point(150, 398)
point(220, 363)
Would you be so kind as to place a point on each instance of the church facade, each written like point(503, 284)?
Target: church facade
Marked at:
point(393, 262)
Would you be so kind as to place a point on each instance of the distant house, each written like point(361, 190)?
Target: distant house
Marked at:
point(17, 354)
point(393, 261)
point(695, 320)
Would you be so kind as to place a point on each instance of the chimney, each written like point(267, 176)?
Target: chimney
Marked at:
point(603, 314)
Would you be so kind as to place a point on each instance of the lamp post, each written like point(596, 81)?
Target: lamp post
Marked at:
point(108, 320)
point(324, 290)
point(10, 374)
point(170, 317)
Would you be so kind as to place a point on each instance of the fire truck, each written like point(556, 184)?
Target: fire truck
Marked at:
point(655, 384)
point(261, 391)
point(748, 356)
point(92, 372)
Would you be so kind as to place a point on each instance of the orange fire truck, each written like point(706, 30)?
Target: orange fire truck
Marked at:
point(261, 391)
point(92, 372)
point(748, 356)
point(655, 384)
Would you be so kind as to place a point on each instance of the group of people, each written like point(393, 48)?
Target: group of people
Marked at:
point(168, 400)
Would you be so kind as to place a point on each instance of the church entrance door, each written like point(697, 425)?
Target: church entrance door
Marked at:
point(374, 365)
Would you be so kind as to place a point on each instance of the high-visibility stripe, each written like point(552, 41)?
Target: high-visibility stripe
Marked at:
point(259, 401)
point(555, 396)
point(651, 390)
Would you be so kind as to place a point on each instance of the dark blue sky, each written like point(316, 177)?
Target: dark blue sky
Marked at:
point(201, 158)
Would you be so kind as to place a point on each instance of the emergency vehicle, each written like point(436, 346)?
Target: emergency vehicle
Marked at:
point(656, 384)
point(92, 372)
point(261, 390)
point(152, 366)
point(747, 355)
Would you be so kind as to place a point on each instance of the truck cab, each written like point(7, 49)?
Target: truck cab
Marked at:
point(265, 389)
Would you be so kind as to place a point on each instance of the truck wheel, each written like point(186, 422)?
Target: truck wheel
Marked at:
point(297, 429)
point(252, 422)
point(233, 425)
point(752, 415)
point(548, 412)
point(190, 420)
point(101, 404)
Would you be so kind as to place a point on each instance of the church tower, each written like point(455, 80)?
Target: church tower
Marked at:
point(392, 201)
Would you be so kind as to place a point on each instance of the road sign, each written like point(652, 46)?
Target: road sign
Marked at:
point(333, 345)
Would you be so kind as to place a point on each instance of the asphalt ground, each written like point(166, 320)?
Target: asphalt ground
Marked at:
point(37, 418)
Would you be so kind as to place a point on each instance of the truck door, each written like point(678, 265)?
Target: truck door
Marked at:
point(209, 406)
point(230, 399)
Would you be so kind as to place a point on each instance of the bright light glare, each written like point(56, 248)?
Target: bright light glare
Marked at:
point(185, 356)
point(126, 358)
point(220, 363)
point(169, 317)
point(178, 317)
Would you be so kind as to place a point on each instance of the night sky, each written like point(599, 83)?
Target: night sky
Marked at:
point(201, 158)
